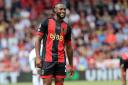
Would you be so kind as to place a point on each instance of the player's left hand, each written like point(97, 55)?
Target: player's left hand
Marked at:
point(71, 71)
point(38, 62)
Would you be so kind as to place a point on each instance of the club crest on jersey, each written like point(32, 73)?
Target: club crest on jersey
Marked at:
point(64, 30)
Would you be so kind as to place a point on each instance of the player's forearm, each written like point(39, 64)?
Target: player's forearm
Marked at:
point(37, 46)
point(70, 55)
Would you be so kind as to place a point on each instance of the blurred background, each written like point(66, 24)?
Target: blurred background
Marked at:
point(99, 37)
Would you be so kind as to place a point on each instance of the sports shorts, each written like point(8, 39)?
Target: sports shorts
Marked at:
point(53, 69)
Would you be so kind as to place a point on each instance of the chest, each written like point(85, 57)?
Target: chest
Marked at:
point(59, 28)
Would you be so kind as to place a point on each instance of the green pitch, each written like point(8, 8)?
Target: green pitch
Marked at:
point(82, 83)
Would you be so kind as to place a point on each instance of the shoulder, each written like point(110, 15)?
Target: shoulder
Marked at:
point(65, 22)
point(45, 21)
point(68, 25)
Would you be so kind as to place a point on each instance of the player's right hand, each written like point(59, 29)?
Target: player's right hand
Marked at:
point(38, 62)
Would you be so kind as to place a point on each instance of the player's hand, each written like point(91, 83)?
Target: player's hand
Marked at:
point(71, 71)
point(38, 62)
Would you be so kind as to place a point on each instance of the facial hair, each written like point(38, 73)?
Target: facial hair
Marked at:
point(61, 17)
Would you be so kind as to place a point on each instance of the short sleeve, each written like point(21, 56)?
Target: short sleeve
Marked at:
point(68, 35)
point(42, 27)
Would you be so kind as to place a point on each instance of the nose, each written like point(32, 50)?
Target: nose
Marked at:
point(63, 10)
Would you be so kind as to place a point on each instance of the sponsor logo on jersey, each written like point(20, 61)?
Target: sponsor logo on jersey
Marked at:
point(56, 37)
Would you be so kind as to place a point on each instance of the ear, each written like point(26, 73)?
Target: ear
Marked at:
point(54, 10)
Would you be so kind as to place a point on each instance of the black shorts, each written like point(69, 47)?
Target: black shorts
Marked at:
point(53, 69)
point(124, 63)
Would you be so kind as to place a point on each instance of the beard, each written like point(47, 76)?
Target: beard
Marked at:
point(61, 16)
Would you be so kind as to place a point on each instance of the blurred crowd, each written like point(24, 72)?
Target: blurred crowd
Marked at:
point(99, 31)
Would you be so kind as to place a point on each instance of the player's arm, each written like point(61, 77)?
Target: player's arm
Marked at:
point(37, 49)
point(69, 50)
point(37, 45)
point(39, 36)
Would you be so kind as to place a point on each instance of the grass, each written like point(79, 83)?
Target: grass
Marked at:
point(82, 83)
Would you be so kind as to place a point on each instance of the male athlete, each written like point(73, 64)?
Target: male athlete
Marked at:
point(56, 35)
point(36, 80)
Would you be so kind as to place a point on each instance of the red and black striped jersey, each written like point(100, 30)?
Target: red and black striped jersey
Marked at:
point(55, 35)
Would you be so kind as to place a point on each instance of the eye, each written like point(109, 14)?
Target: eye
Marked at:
point(62, 9)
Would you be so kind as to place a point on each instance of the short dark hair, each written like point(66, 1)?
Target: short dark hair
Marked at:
point(56, 5)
